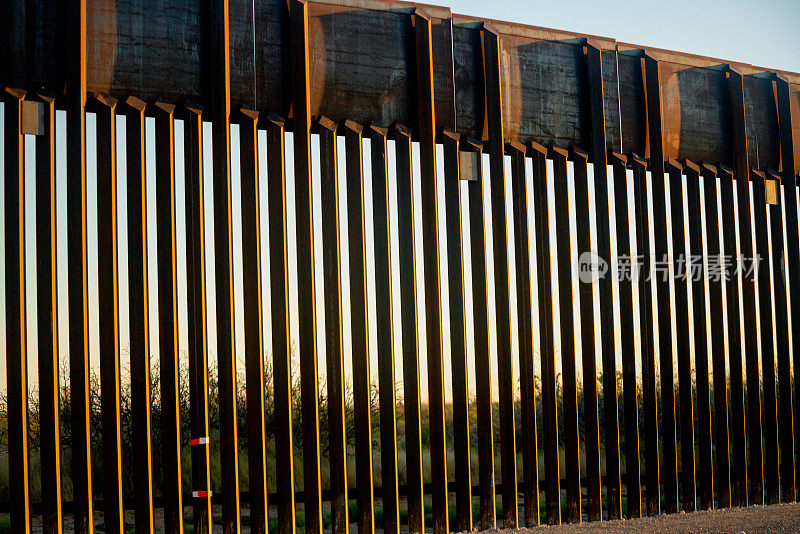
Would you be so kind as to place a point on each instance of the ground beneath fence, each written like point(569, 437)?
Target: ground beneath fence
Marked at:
point(779, 518)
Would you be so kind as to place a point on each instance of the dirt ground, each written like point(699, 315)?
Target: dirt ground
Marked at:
point(776, 519)
point(779, 518)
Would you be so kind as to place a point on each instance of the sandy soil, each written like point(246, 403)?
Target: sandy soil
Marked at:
point(779, 518)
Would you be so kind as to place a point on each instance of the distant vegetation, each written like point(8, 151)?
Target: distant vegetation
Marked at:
point(127, 432)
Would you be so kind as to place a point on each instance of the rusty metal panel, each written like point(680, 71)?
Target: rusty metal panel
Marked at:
point(469, 87)
point(443, 83)
point(362, 65)
point(272, 57)
point(241, 20)
point(761, 117)
point(633, 105)
point(611, 99)
point(13, 43)
point(129, 52)
point(542, 83)
point(347, 46)
point(693, 113)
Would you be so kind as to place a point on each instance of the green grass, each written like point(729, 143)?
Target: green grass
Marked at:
point(5, 524)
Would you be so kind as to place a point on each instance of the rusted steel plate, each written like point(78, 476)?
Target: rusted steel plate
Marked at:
point(469, 88)
point(363, 61)
point(541, 92)
point(761, 117)
point(130, 53)
point(363, 70)
point(632, 103)
point(348, 45)
point(611, 101)
point(693, 113)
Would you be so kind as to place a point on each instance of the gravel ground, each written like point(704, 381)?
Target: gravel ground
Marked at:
point(779, 518)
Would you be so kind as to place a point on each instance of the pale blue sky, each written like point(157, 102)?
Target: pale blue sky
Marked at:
point(764, 33)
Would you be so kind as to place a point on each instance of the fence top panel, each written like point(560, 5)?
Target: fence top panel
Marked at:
point(363, 67)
